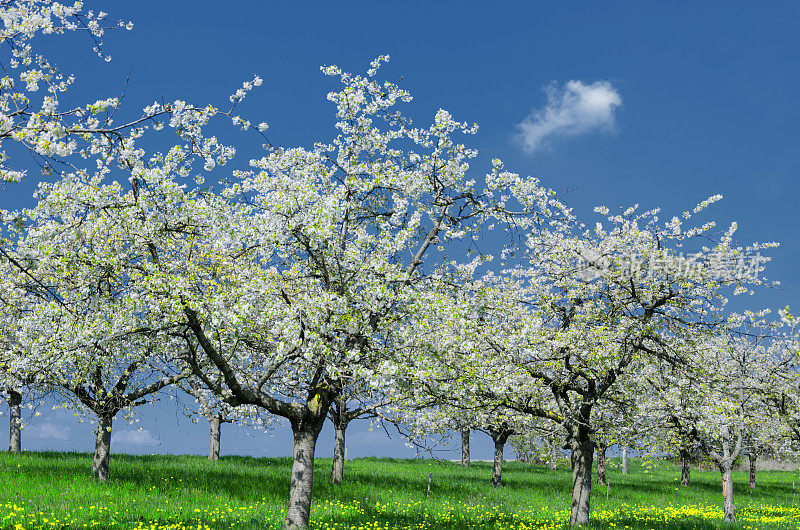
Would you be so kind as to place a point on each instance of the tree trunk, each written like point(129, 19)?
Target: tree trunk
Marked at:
point(727, 491)
point(337, 473)
point(15, 422)
point(624, 460)
point(554, 453)
point(686, 468)
point(725, 464)
point(751, 456)
point(465, 447)
point(305, 431)
point(497, 469)
point(216, 434)
point(581, 460)
point(601, 464)
point(102, 447)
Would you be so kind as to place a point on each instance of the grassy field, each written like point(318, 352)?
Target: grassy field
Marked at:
point(54, 490)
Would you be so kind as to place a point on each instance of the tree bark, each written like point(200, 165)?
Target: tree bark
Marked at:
point(725, 462)
point(686, 467)
point(15, 422)
point(601, 464)
point(216, 434)
point(624, 460)
point(582, 450)
point(751, 456)
point(337, 472)
point(500, 437)
point(726, 469)
point(497, 469)
point(465, 460)
point(305, 431)
point(102, 447)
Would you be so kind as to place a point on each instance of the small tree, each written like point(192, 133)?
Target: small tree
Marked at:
point(540, 445)
point(355, 401)
point(217, 413)
point(727, 371)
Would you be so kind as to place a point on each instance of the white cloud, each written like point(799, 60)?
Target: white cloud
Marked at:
point(138, 437)
point(48, 430)
point(571, 110)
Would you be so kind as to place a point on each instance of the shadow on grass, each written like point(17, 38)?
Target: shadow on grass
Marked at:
point(705, 486)
point(248, 478)
point(695, 524)
point(402, 484)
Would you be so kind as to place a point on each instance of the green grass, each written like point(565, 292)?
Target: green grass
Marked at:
point(55, 490)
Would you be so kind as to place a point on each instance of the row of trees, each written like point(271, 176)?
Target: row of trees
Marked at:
point(371, 274)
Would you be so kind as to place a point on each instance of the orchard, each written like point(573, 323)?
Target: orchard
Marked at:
point(382, 272)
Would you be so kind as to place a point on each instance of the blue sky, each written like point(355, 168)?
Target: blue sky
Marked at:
point(706, 102)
